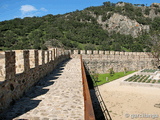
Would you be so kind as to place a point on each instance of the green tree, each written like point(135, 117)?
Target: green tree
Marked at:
point(155, 23)
point(96, 75)
point(10, 38)
point(89, 47)
point(154, 44)
point(147, 11)
point(111, 71)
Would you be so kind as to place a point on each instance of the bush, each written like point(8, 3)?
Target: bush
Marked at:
point(125, 70)
point(147, 10)
point(43, 47)
point(111, 71)
point(96, 75)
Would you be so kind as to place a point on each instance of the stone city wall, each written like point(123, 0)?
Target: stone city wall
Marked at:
point(21, 69)
point(102, 61)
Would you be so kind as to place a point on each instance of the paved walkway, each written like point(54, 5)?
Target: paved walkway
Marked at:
point(59, 96)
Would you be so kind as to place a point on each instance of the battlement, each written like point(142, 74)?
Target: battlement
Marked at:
point(27, 58)
point(101, 61)
point(100, 52)
point(21, 69)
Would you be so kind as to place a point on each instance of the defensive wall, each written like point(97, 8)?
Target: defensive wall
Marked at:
point(21, 69)
point(102, 61)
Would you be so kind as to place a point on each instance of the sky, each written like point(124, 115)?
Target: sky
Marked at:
point(10, 9)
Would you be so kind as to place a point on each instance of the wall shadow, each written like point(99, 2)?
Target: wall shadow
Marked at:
point(100, 110)
point(27, 102)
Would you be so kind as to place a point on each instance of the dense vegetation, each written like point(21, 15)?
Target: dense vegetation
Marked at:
point(77, 30)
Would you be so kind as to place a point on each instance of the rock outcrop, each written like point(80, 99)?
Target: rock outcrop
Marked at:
point(124, 25)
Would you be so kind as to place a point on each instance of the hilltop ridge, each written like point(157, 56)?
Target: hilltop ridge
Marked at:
point(112, 26)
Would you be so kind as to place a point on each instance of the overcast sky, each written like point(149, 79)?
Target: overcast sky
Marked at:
point(10, 9)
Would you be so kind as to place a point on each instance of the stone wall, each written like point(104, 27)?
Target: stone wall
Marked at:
point(2, 65)
point(102, 61)
point(22, 69)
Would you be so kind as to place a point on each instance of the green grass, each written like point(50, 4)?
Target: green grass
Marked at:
point(102, 77)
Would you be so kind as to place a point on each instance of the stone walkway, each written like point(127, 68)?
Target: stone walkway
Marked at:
point(58, 96)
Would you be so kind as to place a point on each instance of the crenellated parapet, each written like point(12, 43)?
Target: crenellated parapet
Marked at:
point(101, 52)
point(101, 61)
point(21, 69)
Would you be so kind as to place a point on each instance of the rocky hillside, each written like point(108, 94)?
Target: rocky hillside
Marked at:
point(112, 26)
point(154, 10)
point(123, 23)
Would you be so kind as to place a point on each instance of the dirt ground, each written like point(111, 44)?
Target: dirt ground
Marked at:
point(125, 102)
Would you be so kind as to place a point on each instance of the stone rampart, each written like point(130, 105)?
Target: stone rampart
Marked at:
point(21, 69)
point(102, 61)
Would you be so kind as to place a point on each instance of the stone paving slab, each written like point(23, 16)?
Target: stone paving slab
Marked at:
point(59, 96)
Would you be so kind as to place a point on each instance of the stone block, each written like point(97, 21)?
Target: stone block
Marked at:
point(121, 53)
point(82, 52)
point(116, 53)
point(10, 67)
point(126, 53)
point(75, 52)
point(134, 53)
point(95, 52)
point(106, 52)
point(111, 52)
point(89, 52)
point(101, 52)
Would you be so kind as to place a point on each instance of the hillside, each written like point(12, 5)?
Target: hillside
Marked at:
point(120, 26)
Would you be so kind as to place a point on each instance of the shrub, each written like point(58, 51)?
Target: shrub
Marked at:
point(125, 70)
point(96, 75)
point(111, 71)
point(147, 10)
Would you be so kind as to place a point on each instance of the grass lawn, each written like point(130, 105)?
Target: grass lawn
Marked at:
point(102, 77)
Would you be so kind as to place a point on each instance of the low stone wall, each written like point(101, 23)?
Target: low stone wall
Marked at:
point(23, 69)
point(102, 61)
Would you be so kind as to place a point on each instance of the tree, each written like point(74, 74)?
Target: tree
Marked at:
point(155, 23)
point(96, 75)
point(9, 38)
point(111, 71)
point(138, 12)
point(107, 4)
point(147, 10)
point(125, 70)
point(142, 5)
point(89, 47)
point(154, 44)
